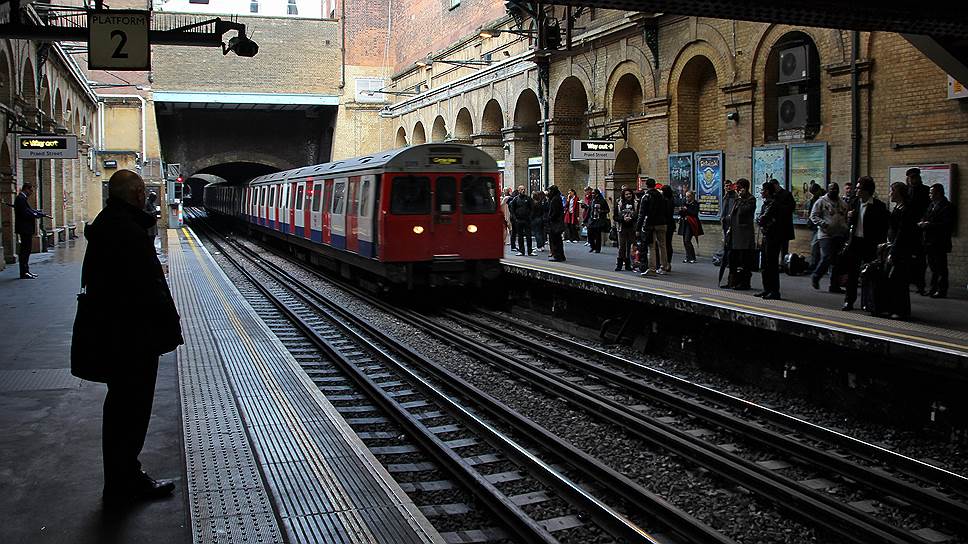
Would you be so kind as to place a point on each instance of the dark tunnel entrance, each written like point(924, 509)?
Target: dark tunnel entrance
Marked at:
point(235, 173)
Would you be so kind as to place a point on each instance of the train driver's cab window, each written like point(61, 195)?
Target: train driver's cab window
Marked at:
point(410, 195)
point(339, 197)
point(299, 198)
point(317, 196)
point(446, 196)
point(478, 194)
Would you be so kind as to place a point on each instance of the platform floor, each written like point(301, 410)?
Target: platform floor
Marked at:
point(268, 457)
point(937, 325)
point(50, 423)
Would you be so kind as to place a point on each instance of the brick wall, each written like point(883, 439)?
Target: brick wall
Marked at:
point(413, 18)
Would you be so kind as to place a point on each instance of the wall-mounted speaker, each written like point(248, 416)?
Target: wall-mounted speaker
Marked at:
point(793, 111)
point(794, 65)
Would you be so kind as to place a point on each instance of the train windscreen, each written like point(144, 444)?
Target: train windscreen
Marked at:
point(478, 194)
point(410, 195)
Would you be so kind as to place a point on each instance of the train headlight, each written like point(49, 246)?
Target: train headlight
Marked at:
point(472, 228)
point(418, 230)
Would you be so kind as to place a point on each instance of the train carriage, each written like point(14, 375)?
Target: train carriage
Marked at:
point(421, 215)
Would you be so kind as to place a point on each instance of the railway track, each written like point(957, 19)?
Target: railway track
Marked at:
point(449, 427)
point(865, 474)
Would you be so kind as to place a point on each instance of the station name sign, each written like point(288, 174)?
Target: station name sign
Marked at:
point(46, 147)
point(584, 150)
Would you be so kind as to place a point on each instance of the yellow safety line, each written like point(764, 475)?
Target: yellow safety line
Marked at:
point(361, 533)
point(860, 328)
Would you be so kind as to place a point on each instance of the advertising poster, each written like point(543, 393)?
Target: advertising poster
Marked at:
point(808, 162)
point(709, 183)
point(768, 163)
point(930, 174)
point(680, 177)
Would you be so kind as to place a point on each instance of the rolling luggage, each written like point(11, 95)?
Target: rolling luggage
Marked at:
point(874, 288)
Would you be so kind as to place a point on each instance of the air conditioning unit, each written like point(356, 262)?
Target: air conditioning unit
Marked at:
point(793, 111)
point(794, 65)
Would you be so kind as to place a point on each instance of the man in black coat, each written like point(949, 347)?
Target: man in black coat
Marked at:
point(919, 200)
point(938, 222)
point(867, 223)
point(25, 224)
point(556, 224)
point(520, 209)
point(772, 224)
point(788, 206)
point(124, 280)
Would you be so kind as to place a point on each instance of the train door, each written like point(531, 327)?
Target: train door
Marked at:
point(364, 213)
point(271, 207)
point(298, 224)
point(446, 226)
point(352, 202)
point(283, 207)
point(327, 206)
point(316, 214)
point(262, 205)
point(291, 202)
point(337, 214)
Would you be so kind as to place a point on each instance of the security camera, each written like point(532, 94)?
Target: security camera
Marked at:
point(733, 116)
point(241, 46)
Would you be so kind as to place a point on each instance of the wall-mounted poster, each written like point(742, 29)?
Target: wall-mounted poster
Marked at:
point(930, 174)
point(680, 177)
point(709, 183)
point(808, 162)
point(768, 163)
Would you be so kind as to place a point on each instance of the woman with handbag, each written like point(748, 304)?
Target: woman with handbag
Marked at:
point(572, 217)
point(625, 212)
point(689, 225)
point(902, 240)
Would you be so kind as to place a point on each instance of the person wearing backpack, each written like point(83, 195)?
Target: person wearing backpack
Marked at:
point(651, 222)
point(625, 212)
point(521, 207)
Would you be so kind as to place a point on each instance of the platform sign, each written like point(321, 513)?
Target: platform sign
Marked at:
point(118, 40)
point(592, 150)
point(46, 147)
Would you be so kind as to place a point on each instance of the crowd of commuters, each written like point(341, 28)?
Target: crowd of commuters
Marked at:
point(857, 241)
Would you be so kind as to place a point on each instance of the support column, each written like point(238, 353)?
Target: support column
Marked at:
point(522, 143)
point(490, 143)
point(565, 173)
point(8, 240)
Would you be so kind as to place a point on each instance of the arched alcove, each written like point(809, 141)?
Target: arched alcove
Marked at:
point(463, 125)
point(627, 97)
point(439, 131)
point(419, 136)
point(699, 110)
point(401, 138)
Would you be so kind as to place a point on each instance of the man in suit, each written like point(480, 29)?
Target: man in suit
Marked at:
point(125, 281)
point(920, 199)
point(25, 226)
point(867, 222)
point(772, 224)
point(787, 206)
point(937, 225)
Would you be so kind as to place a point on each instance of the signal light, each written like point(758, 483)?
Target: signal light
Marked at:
point(179, 179)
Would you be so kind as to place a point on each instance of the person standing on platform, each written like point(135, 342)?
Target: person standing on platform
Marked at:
point(670, 213)
point(121, 272)
point(521, 207)
point(867, 221)
point(556, 224)
point(512, 223)
point(771, 222)
point(816, 193)
point(539, 218)
point(788, 207)
point(849, 195)
point(742, 236)
point(597, 221)
point(689, 225)
point(902, 236)
point(829, 216)
point(572, 217)
point(937, 225)
point(25, 224)
point(651, 223)
point(721, 257)
point(507, 216)
point(625, 212)
point(918, 201)
point(586, 206)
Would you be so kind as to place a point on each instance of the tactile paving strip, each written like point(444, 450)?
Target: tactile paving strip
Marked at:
point(325, 484)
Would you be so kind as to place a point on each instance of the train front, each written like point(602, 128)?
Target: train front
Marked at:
point(441, 221)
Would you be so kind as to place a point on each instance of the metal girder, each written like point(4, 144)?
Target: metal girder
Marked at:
point(930, 17)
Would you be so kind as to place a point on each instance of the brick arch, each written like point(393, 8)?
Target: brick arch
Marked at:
point(687, 53)
point(400, 140)
point(438, 132)
point(829, 45)
point(492, 120)
point(570, 99)
point(418, 135)
point(697, 107)
point(28, 82)
point(69, 115)
point(463, 124)
point(635, 62)
point(255, 157)
point(621, 90)
point(726, 71)
point(58, 112)
point(6, 79)
point(527, 110)
point(46, 98)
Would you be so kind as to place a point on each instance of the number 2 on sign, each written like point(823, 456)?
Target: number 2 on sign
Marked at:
point(118, 54)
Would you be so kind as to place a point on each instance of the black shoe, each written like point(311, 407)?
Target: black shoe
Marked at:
point(923, 293)
point(618, 268)
point(938, 294)
point(815, 282)
point(760, 294)
point(771, 296)
point(835, 289)
point(848, 306)
point(628, 268)
point(27, 276)
point(141, 488)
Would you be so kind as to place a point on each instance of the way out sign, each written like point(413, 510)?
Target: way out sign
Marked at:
point(35, 146)
point(118, 40)
point(591, 150)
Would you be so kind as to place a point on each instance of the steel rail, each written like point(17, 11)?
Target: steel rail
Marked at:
point(910, 466)
point(685, 525)
point(930, 500)
point(500, 505)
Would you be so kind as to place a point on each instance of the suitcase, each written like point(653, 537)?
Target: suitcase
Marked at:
point(874, 289)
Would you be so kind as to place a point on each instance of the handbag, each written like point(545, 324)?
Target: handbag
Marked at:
point(613, 234)
point(88, 358)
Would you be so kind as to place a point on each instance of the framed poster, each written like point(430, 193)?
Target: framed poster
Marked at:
point(709, 183)
point(680, 178)
point(808, 163)
point(930, 174)
point(768, 163)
